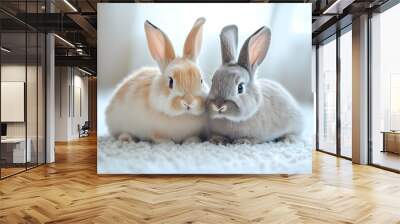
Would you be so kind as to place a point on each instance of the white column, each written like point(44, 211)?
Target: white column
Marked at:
point(50, 100)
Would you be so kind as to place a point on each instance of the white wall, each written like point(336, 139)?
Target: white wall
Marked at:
point(80, 84)
point(67, 116)
point(15, 73)
point(61, 103)
point(122, 46)
point(13, 101)
point(12, 73)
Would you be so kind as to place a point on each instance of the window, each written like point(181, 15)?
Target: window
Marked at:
point(333, 137)
point(346, 93)
point(327, 96)
point(385, 89)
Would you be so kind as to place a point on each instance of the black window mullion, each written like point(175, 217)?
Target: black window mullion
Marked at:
point(37, 90)
point(26, 87)
point(317, 95)
point(45, 92)
point(73, 92)
point(369, 95)
point(338, 91)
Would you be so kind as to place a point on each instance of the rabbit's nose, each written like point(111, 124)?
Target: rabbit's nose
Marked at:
point(219, 102)
point(188, 106)
point(219, 105)
point(219, 109)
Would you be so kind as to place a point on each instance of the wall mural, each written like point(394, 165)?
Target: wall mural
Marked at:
point(184, 90)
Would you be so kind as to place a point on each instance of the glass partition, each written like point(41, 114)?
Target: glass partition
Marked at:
point(22, 101)
point(14, 153)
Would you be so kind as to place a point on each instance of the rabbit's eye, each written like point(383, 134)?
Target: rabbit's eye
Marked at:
point(171, 83)
point(201, 81)
point(240, 87)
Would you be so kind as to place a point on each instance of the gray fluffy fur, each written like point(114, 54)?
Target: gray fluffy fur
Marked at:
point(264, 111)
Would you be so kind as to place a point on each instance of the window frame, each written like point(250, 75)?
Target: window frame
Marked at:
point(334, 37)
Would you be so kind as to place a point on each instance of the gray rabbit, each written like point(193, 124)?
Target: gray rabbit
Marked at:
point(242, 108)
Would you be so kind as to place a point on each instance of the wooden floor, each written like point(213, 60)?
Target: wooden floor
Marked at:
point(387, 159)
point(70, 191)
point(5, 172)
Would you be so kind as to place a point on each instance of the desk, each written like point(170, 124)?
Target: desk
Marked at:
point(391, 141)
point(13, 150)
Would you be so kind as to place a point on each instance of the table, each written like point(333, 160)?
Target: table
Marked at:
point(391, 141)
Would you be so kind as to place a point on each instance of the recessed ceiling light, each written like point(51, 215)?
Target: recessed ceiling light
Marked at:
point(84, 71)
point(70, 5)
point(5, 50)
point(65, 41)
point(338, 6)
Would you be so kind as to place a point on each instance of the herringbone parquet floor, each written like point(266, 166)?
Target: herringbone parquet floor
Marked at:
point(70, 191)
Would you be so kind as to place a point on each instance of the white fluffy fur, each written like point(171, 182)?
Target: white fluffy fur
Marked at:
point(132, 116)
point(162, 103)
point(143, 106)
point(290, 156)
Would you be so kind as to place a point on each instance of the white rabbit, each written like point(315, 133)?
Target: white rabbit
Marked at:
point(165, 104)
point(242, 108)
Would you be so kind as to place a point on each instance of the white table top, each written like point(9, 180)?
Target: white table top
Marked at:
point(13, 140)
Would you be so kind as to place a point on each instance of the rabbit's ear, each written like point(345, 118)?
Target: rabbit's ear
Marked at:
point(192, 45)
point(159, 45)
point(254, 49)
point(229, 42)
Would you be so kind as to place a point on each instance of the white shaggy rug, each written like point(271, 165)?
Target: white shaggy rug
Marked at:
point(282, 157)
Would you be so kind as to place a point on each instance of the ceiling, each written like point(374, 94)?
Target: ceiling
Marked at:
point(76, 22)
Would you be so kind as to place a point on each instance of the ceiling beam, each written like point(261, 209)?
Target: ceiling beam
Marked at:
point(321, 20)
point(84, 24)
point(80, 61)
point(337, 6)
